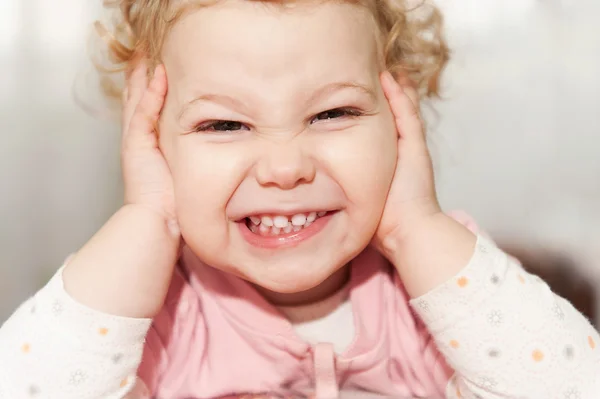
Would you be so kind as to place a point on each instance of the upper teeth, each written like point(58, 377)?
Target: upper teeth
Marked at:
point(255, 220)
point(276, 224)
point(282, 221)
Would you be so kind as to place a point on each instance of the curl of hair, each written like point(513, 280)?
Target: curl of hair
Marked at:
point(412, 40)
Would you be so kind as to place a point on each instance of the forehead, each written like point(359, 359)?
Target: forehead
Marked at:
point(250, 41)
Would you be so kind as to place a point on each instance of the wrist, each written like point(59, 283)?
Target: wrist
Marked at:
point(125, 268)
point(431, 253)
point(153, 217)
point(411, 233)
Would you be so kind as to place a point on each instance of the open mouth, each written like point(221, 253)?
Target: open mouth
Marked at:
point(281, 230)
point(278, 225)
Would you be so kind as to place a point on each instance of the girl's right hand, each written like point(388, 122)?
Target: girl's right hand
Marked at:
point(126, 267)
point(146, 174)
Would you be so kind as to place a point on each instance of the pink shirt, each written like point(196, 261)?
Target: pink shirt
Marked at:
point(217, 336)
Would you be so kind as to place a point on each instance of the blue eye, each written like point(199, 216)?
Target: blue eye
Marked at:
point(220, 126)
point(336, 114)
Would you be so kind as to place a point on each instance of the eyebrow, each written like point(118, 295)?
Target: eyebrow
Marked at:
point(331, 88)
point(239, 106)
point(222, 99)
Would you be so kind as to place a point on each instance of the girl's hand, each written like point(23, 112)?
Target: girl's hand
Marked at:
point(146, 174)
point(127, 266)
point(412, 199)
point(426, 246)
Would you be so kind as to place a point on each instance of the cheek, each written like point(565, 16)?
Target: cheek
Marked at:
point(204, 178)
point(363, 163)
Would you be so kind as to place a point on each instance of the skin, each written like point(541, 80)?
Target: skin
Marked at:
point(375, 168)
point(281, 157)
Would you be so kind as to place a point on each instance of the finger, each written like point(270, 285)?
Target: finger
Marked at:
point(136, 85)
point(406, 115)
point(125, 96)
point(141, 130)
point(410, 89)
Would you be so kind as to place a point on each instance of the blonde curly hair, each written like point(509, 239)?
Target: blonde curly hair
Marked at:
point(412, 38)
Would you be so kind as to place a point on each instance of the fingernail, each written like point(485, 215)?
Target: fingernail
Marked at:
point(173, 227)
point(389, 78)
point(159, 70)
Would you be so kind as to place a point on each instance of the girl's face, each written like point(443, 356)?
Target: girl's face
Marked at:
point(273, 113)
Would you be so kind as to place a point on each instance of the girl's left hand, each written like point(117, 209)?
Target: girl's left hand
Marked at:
point(412, 199)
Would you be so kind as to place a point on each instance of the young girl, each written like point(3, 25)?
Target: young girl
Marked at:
point(281, 233)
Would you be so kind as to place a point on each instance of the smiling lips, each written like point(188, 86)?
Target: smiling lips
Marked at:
point(276, 231)
point(276, 225)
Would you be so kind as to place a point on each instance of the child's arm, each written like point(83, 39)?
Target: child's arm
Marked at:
point(507, 335)
point(502, 330)
point(125, 269)
point(82, 335)
point(54, 347)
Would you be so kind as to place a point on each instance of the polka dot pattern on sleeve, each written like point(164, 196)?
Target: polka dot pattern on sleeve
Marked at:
point(506, 334)
point(92, 355)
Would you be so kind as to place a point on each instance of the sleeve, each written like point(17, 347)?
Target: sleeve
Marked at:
point(55, 348)
point(507, 335)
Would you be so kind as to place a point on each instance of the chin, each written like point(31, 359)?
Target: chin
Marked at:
point(291, 285)
point(288, 276)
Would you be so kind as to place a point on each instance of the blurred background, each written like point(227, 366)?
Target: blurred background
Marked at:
point(516, 139)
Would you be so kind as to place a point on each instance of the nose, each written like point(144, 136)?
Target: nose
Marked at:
point(285, 166)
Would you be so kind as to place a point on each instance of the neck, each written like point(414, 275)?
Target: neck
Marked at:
point(330, 286)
